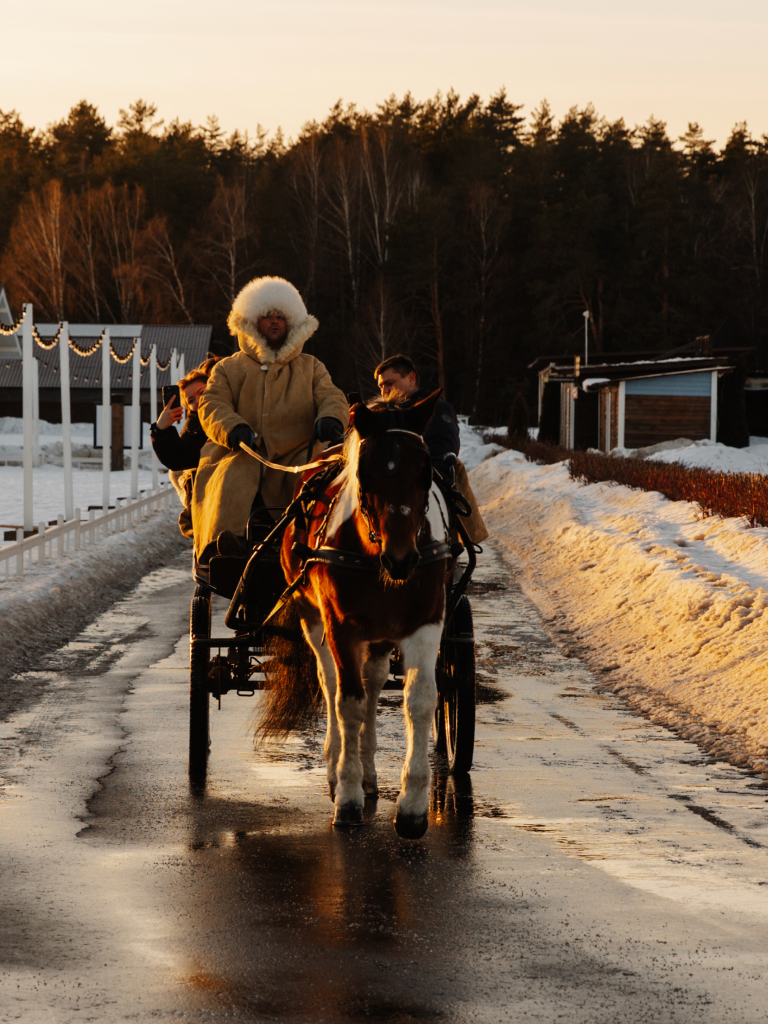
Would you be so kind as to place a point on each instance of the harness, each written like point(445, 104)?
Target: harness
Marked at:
point(301, 510)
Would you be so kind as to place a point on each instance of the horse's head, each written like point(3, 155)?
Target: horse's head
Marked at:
point(394, 475)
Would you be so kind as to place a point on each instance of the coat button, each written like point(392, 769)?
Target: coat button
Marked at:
point(265, 367)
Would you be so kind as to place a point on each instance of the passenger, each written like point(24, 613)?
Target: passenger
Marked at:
point(398, 379)
point(180, 451)
point(271, 396)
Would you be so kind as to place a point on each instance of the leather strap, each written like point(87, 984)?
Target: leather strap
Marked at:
point(291, 469)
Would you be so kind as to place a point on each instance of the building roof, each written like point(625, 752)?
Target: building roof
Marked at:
point(599, 383)
point(85, 370)
point(612, 373)
point(604, 360)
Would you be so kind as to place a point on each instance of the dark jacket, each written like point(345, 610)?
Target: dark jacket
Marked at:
point(176, 450)
point(442, 433)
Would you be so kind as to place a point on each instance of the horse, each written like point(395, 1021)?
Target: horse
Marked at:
point(369, 569)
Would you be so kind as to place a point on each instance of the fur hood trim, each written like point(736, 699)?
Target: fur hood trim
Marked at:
point(265, 295)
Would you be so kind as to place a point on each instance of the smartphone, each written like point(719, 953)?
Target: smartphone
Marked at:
point(171, 391)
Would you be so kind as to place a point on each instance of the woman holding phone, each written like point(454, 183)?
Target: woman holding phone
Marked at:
point(180, 451)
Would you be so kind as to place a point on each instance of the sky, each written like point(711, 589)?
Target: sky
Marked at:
point(285, 62)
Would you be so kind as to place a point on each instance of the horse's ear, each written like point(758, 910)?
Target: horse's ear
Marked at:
point(421, 413)
point(363, 420)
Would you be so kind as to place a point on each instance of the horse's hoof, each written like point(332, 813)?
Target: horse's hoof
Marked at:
point(410, 826)
point(348, 814)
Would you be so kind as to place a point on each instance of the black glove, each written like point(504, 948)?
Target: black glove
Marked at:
point(329, 429)
point(242, 433)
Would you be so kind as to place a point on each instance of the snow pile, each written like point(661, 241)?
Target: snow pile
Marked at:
point(707, 455)
point(670, 607)
point(40, 610)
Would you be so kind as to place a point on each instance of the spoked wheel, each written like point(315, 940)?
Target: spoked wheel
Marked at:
point(438, 725)
point(199, 666)
point(456, 668)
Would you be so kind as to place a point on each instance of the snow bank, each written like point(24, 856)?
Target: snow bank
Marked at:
point(670, 608)
point(40, 610)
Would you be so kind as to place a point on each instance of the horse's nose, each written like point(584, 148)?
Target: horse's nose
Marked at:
point(400, 568)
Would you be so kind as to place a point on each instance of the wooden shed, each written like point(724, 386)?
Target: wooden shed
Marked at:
point(644, 410)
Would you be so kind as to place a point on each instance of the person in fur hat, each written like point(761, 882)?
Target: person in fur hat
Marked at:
point(271, 396)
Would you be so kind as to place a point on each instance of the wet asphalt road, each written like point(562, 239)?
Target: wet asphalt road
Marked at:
point(594, 869)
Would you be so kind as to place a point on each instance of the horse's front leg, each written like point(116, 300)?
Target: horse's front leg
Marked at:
point(347, 650)
point(419, 659)
point(375, 672)
point(326, 671)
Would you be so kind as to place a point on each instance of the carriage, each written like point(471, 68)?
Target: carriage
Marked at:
point(255, 586)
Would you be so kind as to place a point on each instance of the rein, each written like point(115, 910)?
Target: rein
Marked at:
point(291, 469)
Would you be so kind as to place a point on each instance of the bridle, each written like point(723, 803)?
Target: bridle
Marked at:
point(391, 468)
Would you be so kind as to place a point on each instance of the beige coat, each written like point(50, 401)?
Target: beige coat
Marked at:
point(280, 396)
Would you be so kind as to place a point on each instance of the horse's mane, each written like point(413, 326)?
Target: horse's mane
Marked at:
point(347, 501)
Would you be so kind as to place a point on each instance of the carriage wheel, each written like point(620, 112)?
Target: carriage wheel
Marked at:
point(457, 671)
point(199, 664)
point(438, 726)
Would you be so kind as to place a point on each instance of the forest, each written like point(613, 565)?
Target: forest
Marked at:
point(457, 231)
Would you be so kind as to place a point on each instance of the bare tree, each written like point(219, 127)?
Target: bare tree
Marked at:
point(487, 220)
point(220, 251)
point(36, 260)
point(166, 266)
point(121, 215)
point(341, 212)
point(87, 254)
point(306, 187)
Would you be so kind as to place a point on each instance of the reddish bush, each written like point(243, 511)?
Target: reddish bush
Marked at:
point(717, 494)
point(540, 452)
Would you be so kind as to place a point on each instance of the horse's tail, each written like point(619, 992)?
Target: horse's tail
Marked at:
point(292, 696)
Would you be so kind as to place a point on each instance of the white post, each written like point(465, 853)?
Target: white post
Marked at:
point(585, 314)
point(620, 417)
point(181, 368)
point(106, 421)
point(153, 406)
point(135, 417)
point(28, 412)
point(713, 408)
point(66, 422)
point(174, 367)
point(36, 460)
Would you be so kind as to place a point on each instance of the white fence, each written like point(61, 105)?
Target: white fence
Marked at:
point(76, 534)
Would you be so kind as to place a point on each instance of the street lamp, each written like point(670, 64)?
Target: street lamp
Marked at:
point(585, 314)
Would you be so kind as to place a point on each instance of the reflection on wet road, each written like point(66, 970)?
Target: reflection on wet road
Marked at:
point(593, 869)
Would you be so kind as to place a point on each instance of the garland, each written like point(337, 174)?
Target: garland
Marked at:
point(49, 344)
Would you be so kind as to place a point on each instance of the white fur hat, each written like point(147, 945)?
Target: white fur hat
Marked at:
point(260, 297)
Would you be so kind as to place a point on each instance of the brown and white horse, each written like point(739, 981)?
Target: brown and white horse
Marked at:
point(374, 562)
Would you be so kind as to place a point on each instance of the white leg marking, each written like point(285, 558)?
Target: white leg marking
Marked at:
point(326, 671)
point(349, 789)
point(375, 672)
point(419, 659)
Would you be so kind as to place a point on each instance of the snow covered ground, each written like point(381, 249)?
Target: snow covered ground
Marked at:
point(48, 479)
point(671, 608)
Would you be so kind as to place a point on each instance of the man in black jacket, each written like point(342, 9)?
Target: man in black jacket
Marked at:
point(397, 376)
